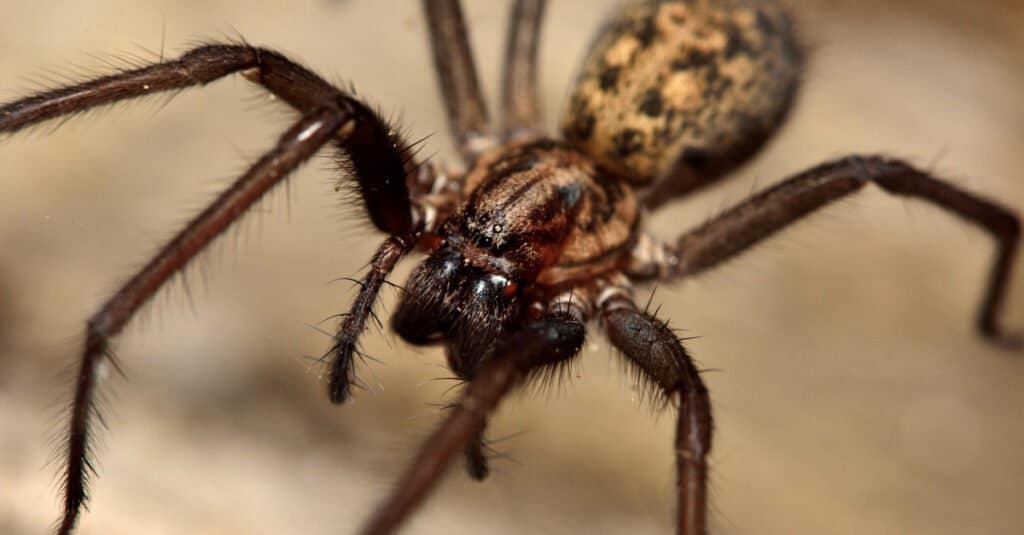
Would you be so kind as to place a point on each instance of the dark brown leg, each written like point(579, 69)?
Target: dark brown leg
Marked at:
point(477, 465)
point(453, 60)
point(380, 160)
point(540, 342)
point(773, 209)
point(199, 66)
point(294, 147)
point(342, 371)
point(520, 103)
point(572, 303)
point(660, 357)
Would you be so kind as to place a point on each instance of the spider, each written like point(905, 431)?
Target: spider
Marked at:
point(537, 236)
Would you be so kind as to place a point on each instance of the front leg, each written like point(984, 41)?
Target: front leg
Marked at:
point(380, 160)
point(772, 210)
point(660, 357)
point(555, 337)
point(296, 146)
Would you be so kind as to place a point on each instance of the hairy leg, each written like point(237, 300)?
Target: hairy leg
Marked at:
point(380, 160)
point(660, 357)
point(341, 376)
point(296, 146)
point(521, 114)
point(543, 341)
point(772, 210)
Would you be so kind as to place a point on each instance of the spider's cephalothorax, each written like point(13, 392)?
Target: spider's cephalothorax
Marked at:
point(539, 217)
point(538, 236)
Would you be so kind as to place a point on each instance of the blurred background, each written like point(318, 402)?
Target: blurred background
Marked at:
point(851, 394)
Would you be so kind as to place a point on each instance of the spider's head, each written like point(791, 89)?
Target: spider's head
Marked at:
point(468, 293)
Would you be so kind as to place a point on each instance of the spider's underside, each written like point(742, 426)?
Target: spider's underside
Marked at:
point(573, 269)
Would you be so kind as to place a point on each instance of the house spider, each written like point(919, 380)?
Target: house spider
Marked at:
point(566, 244)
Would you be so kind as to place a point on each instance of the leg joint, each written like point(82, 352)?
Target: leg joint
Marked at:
point(874, 168)
point(207, 63)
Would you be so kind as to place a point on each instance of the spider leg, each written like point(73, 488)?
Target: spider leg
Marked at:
point(476, 459)
point(477, 466)
point(757, 218)
point(660, 357)
point(296, 146)
point(554, 337)
point(380, 159)
point(342, 372)
point(460, 88)
point(573, 303)
point(432, 210)
point(520, 104)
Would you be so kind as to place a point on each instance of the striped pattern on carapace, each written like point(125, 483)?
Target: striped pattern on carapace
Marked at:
point(544, 212)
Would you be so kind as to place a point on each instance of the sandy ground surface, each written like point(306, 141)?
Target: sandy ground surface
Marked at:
point(850, 392)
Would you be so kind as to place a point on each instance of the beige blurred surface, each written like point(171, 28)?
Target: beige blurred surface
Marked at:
point(850, 392)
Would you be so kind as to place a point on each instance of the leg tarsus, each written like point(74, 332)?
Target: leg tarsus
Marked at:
point(79, 467)
point(476, 459)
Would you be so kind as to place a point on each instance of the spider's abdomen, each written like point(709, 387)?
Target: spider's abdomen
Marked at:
point(696, 85)
point(544, 212)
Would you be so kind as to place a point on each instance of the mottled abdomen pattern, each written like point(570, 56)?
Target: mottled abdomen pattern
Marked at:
point(685, 88)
